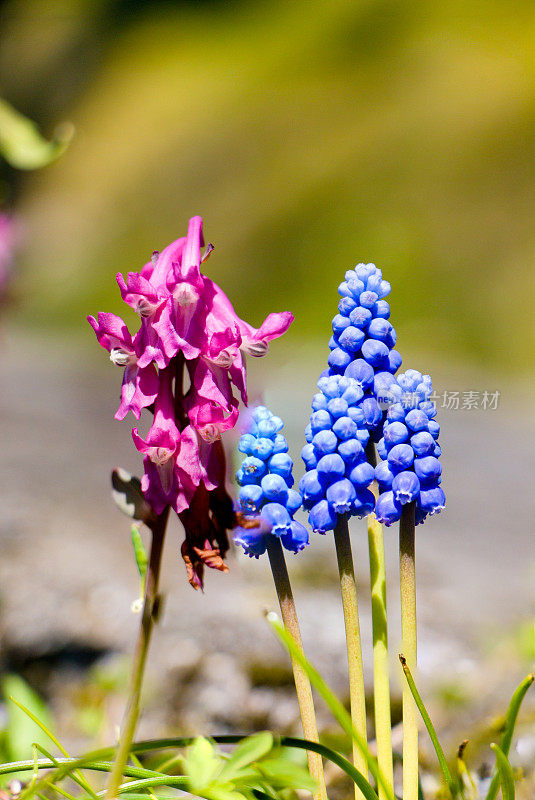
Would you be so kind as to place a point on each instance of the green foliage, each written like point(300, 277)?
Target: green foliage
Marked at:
point(140, 552)
point(338, 711)
point(22, 145)
point(214, 776)
point(505, 773)
point(22, 731)
point(453, 787)
point(508, 730)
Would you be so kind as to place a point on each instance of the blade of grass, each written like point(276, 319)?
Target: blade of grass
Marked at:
point(60, 790)
point(505, 772)
point(137, 763)
point(336, 707)
point(451, 784)
point(509, 728)
point(177, 781)
point(79, 778)
point(93, 760)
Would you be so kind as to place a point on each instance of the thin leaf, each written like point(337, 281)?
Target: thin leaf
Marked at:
point(178, 781)
point(336, 707)
point(251, 749)
point(505, 772)
point(22, 145)
point(24, 728)
point(509, 728)
point(78, 777)
point(451, 784)
point(140, 552)
point(135, 760)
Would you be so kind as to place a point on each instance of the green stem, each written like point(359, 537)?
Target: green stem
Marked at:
point(302, 683)
point(348, 590)
point(140, 656)
point(381, 672)
point(409, 638)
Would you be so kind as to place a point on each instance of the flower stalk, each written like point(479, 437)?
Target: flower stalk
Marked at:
point(140, 657)
point(348, 589)
point(302, 683)
point(381, 673)
point(409, 640)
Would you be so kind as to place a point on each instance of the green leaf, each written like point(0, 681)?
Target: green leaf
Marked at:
point(140, 553)
point(505, 772)
point(23, 732)
point(251, 749)
point(216, 792)
point(509, 728)
point(201, 764)
point(22, 145)
point(451, 784)
point(281, 773)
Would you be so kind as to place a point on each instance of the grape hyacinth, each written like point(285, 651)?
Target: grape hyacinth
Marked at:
point(266, 498)
point(410, 470)
point(337, 473)
point(187, 322)
point(362, 344)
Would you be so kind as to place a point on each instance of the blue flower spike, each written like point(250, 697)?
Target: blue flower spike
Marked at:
point(360, 399)
point(267, 500)
point(337, 476)
point(410, 470)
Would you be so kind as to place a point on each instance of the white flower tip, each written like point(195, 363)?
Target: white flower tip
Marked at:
point(185, 294)
point(137, 606)
point(144, 308)
point(121, 357)
point(210, 433)
point(255, 349)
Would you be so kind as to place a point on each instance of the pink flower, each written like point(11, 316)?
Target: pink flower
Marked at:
point(140, 385)
point(7, 246)
point(172, 469)
point(187, 322)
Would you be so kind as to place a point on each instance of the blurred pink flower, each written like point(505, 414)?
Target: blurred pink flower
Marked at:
point(7, 247)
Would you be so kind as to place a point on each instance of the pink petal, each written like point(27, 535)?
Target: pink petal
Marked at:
point(111, 331)
point(191, 257)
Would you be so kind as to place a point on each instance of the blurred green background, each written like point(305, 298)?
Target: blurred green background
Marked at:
point(310, 135)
